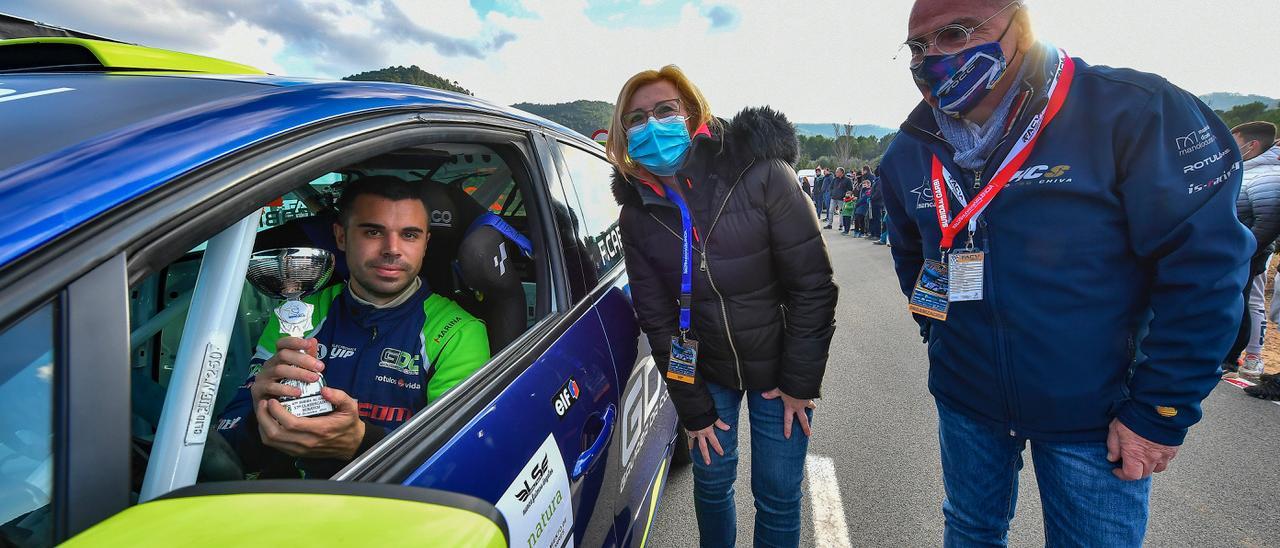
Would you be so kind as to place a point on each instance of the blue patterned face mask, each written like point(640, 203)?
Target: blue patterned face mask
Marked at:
point(962, 80)
point(660, 145)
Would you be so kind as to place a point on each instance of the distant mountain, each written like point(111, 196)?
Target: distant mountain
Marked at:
point(582, 116)
point(859, 130)
point(409, 75)
point(1225, 101)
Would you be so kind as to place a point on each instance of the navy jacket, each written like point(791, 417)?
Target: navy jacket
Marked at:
point(1110, 228)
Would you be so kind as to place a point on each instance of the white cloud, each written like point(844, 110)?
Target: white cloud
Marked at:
point(817, 61)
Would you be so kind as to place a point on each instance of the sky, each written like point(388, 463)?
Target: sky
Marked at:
point(818, 61)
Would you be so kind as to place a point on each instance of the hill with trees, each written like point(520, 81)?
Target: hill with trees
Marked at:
point(409, 75)
point(1225, 101)
point(582, 116)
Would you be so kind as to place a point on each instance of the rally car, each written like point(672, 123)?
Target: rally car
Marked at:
point(135, 183)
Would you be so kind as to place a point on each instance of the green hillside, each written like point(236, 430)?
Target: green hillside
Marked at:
point(409, 75)
point(582, 116)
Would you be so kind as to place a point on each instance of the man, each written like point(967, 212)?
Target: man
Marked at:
point(836, 190)
point(1258, 207)
point(821, 185)
point(386, 345)
point(876, 213)
point(1032, 318)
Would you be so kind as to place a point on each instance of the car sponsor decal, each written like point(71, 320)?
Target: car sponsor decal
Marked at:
point(537, 505)
point(205, 396)
point(565, 397)
point(643, 398)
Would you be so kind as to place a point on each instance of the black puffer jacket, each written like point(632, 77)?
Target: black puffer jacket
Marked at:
point(763, 297)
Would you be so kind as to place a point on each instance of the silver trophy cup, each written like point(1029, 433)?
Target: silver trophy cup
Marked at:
point(291, 274)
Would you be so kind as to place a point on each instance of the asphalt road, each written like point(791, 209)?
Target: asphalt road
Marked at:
point(878, 425)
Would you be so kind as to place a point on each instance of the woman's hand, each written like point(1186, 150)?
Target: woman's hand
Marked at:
point(790, 407)
point(700, 439)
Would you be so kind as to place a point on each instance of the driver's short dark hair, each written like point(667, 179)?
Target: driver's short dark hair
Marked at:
point(384, 186)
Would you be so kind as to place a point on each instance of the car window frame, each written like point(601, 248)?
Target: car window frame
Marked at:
point(425, 434)
point(91, 268)
point(570, 188)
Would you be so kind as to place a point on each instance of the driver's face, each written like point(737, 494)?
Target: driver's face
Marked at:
point(385, 241)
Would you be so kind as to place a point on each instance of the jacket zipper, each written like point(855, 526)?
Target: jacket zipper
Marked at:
point(724, 310)
point(703, 266)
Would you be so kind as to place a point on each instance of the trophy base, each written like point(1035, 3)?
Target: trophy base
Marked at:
point(307, 406)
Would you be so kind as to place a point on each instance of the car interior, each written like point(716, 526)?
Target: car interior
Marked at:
point(478, 256)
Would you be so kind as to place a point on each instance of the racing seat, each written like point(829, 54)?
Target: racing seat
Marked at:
point(484, 263)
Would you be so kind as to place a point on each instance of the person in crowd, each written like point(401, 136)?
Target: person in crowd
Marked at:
point(875, 211)
point(719, 245)
point(1258, 207)
point(878, 190)
point(862, 203)
point(821, 185)
point(383, 230)
point(846, 212)
point(839, 185)
point(1261, 194)
point(1066, 183)
point(806, 185)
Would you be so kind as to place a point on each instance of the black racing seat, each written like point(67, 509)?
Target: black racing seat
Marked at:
point(485, 265)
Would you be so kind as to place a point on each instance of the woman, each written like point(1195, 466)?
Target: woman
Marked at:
point(755, 314)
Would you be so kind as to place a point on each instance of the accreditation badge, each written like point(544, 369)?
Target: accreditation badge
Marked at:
point(965, 271)
point(929, 298)
point(683, 364)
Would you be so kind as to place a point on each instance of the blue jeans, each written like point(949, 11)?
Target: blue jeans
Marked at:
point(884, 227)
point(1084, 504)
point(777, 472)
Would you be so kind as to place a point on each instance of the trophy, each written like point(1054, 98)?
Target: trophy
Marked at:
point(291, 274)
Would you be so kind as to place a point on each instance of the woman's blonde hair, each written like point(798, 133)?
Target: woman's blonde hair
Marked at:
point(692, 100)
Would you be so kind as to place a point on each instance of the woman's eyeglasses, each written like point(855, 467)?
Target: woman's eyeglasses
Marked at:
point(664, 109)
point(950, 39)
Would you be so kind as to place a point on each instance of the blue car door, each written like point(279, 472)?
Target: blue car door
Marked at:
point(537, 438)
point(645, 435)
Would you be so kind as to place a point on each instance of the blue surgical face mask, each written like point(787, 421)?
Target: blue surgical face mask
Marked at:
point(962, 80)
point(660, 145)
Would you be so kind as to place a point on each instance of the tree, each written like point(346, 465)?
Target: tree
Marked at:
point(844, 143)
point(1251, 112)
point(409, 75)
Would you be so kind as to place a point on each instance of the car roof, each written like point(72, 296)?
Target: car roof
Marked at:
point(103, 139)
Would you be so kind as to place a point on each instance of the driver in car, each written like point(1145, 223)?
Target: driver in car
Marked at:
point(386, 344)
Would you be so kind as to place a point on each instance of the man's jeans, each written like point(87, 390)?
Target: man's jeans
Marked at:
point(777, 471)
point(833, 210)
point(1084, 504)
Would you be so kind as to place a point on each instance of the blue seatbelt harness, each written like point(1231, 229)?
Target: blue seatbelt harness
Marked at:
point(504, 228)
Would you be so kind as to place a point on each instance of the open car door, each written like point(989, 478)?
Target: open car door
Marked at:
point(300, 512)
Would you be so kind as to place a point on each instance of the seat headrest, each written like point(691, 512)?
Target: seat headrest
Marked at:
point(485, 260)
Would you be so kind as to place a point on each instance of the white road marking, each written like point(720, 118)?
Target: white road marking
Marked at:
point(829, 527)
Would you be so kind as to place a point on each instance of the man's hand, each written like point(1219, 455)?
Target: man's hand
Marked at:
point(294, 359)
point(1139, 457)
point(700, 439)
point(792, 409)
point(336, 435)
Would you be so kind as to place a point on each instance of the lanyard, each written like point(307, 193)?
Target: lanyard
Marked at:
point(686, 264)
point(1018, 155)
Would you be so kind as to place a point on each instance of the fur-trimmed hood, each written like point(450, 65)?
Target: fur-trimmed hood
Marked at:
point(752, 135)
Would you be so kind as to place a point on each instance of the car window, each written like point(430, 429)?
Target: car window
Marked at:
point(461, 181)
point(26, 422)
point(591, 177)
